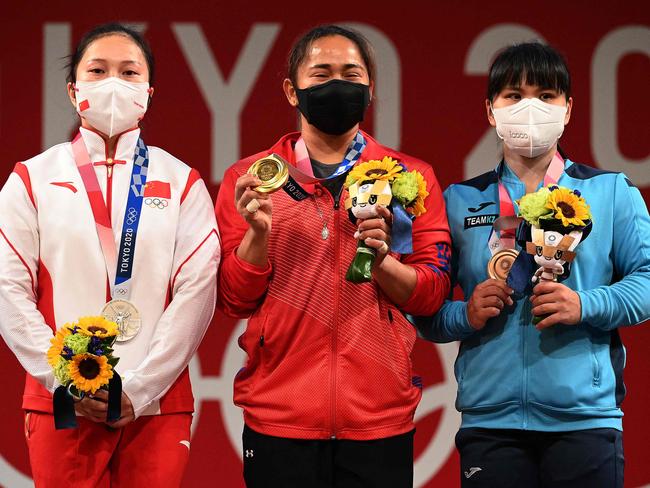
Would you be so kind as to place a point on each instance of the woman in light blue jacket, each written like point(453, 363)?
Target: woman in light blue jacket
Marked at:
point(541, 403)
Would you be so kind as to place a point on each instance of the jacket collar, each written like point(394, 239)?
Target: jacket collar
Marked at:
point(96, 146)
point(285, 145)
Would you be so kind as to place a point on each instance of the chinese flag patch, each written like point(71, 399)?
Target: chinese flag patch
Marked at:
point(83, 105)
point(160, 189)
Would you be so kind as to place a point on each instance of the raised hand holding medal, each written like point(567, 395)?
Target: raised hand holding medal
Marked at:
point(273, 172)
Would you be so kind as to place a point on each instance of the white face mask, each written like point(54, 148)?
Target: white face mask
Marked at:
point(530, 127)
point(112, 105)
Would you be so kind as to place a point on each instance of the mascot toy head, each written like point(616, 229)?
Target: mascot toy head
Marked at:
point(364, 199)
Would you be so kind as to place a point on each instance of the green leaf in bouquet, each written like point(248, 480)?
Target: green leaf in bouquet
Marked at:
point(113, 361)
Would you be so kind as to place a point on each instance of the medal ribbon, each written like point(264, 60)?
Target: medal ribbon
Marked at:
point(301, 176)
point(507, 222)
point(119, 266)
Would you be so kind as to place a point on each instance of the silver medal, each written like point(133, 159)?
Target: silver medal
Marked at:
point(126, 316)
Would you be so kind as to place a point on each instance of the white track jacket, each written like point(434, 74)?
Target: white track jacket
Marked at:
point(52, 270)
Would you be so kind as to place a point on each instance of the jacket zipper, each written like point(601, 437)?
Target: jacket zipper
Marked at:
point(109, 188)
point(524, 388)
point(335, 236)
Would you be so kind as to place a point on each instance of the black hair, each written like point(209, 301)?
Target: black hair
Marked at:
point(533, 63)
point(103, 30)
point(301, 46)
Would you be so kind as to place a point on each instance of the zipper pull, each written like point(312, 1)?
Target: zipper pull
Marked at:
point(261, 341)
point(109, 167)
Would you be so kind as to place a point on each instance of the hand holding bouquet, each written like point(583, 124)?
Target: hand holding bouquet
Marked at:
point(559, 219)
point(384, 183)
point(81, 357)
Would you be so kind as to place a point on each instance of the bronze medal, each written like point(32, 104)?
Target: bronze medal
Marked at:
point(499, 265)
point(272, 170)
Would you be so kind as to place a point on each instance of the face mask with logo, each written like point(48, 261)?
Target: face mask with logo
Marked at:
point(334, 107)
point(530, 127)
point(112, 105)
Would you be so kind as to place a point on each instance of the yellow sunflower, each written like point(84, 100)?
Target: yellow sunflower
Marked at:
point(89, 372)
point(417, 208)
point(386, 169)
point(54, 352)
point(97, 327)
point(568, 207)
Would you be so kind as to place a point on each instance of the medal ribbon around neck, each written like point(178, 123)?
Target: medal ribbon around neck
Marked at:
point(506, 224)
point(302, 174)
point(119, 270)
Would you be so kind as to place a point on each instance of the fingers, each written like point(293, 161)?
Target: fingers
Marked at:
point(248, 196)
point(248, 201)
point(376, 234)
point(92, 409)
point(253, 205)
point(245, 182)
point(128, 415)
point(546, 309)
point(380, 245)
point(101, 395)
point(386, 214)
point(487, 301)
point(495, 288)
point(492, 312)
point(381, 223)
point(549, 321)
point(546, 287)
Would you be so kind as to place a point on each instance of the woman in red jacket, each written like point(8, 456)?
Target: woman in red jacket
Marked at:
point(328, 392)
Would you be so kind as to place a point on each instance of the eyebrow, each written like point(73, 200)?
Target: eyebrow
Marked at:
point(128, 61)
point(345, 66)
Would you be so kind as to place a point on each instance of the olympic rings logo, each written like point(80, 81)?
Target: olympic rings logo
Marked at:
point(131, 216)
point(156, 203)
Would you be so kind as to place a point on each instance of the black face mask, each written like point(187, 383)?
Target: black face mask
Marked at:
point(334, 107)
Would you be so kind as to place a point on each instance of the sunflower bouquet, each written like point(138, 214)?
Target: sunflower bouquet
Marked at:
point(81, 357)
point(385, 183)
point(558, 219)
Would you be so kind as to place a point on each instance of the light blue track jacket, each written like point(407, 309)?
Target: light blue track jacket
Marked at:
point(567, 377)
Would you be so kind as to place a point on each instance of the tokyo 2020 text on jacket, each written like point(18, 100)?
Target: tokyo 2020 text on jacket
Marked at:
point(53, 269)
point(326, 357)
point(567, 377)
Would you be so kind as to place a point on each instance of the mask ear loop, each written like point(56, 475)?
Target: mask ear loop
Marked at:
point(150, 98)
point(496, 128)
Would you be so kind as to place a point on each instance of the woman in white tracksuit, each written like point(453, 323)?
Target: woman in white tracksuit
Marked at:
point(66, 218)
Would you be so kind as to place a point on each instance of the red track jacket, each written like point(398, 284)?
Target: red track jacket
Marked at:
point(326, 358)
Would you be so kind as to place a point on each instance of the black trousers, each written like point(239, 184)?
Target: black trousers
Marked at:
point(493, 458)
point(276, 462)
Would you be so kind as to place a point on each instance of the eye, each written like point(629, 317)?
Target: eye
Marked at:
point(547, 96)
point(558, 255)
point(539, 250)
point(130, 72)
point(372, 200)
point(354, 201)
point(96, 71)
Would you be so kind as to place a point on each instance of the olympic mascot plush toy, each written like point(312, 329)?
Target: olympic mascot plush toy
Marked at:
point(384, 183)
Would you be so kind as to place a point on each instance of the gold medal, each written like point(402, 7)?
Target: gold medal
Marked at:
point(272, 170)
point(126, 316)
point(499, 265)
